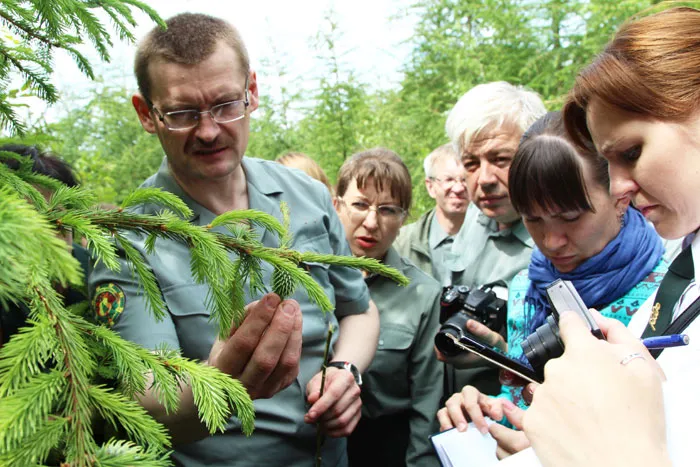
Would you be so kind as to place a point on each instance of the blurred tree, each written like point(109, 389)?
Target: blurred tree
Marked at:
point(104, 142)
point(273, 124)
point(331, 130)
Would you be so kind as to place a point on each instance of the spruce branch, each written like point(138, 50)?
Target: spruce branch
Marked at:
point(26, 355)
point(223, 262)
point(28, 408)
point(370, 265)
point(36, 448)
point(19, 185)
point(121, 453)
point(132, 362)
point(27, 29)
point(128, 414)
point(71, 198)
point(98, 244)
point(37, 250)
point(215, 395)
point(250, 216)
point(147, 279)
point(160, 197)
point(78, 365)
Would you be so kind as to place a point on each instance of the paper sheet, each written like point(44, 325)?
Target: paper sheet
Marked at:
point(465, 449)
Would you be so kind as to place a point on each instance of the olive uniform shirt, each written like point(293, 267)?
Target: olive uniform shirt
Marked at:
point(402, 387)
point(281, 437)
point(482, 254)
point(426, 244)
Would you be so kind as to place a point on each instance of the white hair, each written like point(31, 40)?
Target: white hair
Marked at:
point(439, 153)
point(488, 106)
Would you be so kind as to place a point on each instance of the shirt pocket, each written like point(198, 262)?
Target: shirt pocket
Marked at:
point(390, 363)
point(195, 332)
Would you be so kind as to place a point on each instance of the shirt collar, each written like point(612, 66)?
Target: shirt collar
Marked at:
point(391, 259)
point(255, 176)
point(165, 180)
point(517, 230)
point(436, 234)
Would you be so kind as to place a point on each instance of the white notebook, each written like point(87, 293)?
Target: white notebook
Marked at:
point(465, 449)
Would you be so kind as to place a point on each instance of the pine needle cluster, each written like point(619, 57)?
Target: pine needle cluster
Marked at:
point(33, 30)
point(65, 373)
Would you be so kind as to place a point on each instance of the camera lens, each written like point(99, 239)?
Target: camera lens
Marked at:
point(454, 326)
point(543, 344)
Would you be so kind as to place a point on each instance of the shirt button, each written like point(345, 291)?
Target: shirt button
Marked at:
point(381, 342)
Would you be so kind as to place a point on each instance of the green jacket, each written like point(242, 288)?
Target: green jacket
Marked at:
point(412, 242)
point(403, 385)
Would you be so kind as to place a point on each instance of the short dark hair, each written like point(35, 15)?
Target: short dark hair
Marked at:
point(547, 169)
point(383, 166)
point(189, 39)
point(44, 163)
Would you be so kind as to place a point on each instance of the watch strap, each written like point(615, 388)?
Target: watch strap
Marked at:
point(351, 368)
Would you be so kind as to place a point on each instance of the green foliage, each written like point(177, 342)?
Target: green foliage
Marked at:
point(51, 412)
point(33, 30)
point(104, 142)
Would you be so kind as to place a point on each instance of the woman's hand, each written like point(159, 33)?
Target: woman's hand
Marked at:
point(484, 334)
point(509, 441)
point(601, 403)
point(472, 404)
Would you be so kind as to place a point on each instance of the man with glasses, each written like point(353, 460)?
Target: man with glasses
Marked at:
point(196, 93)
point(426, 241)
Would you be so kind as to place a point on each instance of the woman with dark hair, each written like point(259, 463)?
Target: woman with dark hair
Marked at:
point(14, 316)
point(639, 104)
point(584, 235)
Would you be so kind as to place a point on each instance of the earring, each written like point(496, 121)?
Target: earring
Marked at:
point(621, 219)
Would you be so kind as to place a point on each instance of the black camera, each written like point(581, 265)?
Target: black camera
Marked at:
point(458, 304)
point(545, 343)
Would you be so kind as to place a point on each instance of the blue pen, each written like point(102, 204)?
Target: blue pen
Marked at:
point(664, 342)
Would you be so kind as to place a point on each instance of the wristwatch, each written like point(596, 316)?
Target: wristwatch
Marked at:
point(351, 368)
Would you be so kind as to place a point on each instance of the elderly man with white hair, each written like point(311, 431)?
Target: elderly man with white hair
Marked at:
point(485, 127)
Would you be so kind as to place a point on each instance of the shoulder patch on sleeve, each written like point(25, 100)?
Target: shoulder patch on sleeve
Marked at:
point(108, 303)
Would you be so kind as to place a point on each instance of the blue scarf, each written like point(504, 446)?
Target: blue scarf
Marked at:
point(603, 278)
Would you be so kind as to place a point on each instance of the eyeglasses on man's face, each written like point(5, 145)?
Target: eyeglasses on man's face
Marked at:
point(359, 210)
point(449, 182)
point(226, 112)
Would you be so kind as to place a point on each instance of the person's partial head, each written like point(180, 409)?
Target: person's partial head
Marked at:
point(43, 163)
point(196, 92)
point(639, 103)
point(485, 126)
point(373, 196)
point(562, 193)
point(306, 164)
point(445, 180)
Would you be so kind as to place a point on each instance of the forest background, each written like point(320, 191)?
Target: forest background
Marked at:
point(456, 44)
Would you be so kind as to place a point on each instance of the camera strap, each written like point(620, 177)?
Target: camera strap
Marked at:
point(674, 283)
